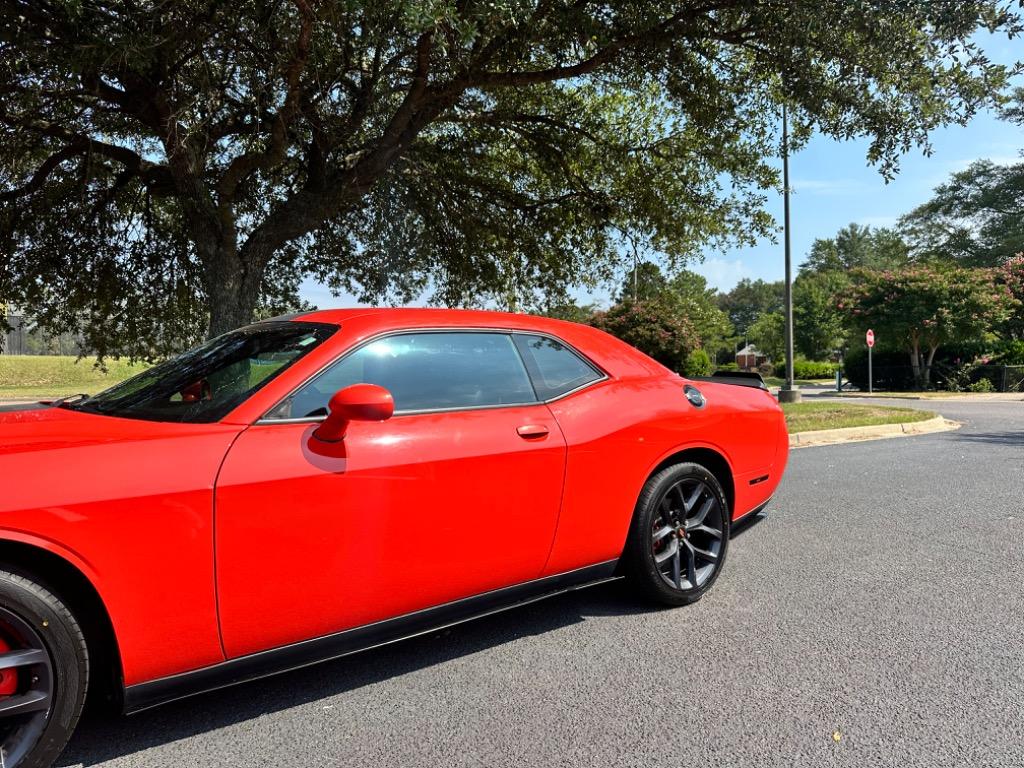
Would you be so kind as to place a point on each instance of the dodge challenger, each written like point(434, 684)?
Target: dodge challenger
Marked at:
point(319, 484)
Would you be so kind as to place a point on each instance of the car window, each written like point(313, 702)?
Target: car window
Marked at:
point(206, 383)
point(424, 371)
point(555, 368)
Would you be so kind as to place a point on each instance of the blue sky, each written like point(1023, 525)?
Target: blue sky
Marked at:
point(832, 186)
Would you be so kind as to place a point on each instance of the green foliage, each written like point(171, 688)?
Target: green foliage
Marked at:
point(651, 327)
point(698, 364)
point(1010, 353)
point(976, 218)
point(812, 369)
point(982, 385)
point(768, 334)
point(568, 310)
point(920, 308)
point(856, 246)
point(819, 326)
point(643, 283)
point(727, 367)
point(750, 299)
point(167, 168)
point(698, 303)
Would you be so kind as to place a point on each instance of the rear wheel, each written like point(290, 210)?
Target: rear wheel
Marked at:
point(679, 535)
point(44, 669)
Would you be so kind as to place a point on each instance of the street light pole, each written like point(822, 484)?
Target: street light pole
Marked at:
point(788, 393)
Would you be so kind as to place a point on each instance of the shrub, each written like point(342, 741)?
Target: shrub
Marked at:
point(1010, 353)
point(982, 385)
point(812, 369)
point(728, 367)
point(698, 364)
point(766, 369)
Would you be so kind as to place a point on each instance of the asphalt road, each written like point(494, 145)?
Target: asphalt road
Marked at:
point(881, 599)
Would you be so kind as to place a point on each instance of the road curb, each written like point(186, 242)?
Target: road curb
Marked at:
point(953, 397)
point(877, 432)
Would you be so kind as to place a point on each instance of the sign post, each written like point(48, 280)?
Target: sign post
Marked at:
point(870, 336)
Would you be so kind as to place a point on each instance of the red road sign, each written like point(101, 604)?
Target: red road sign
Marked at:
point(871, 338)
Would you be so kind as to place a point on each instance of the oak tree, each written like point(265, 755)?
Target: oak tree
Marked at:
point(169, 169)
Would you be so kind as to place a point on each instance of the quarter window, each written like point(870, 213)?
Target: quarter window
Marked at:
point(424, 371)
point(555, 368)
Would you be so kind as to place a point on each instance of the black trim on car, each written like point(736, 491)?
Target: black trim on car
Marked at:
point(736, 378)
point(150, 694)
point(23, 407)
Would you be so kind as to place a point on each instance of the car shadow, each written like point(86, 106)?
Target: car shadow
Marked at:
point(101, 737)
point(747, 523)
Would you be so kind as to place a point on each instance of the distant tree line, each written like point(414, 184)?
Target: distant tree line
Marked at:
point(943, 287)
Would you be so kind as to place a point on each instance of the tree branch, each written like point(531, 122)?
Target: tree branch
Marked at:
point(244, 165)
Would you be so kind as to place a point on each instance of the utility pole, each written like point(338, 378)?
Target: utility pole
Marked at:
point(636, 270)
point(788, 393)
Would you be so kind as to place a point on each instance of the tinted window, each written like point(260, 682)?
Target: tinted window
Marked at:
point(206, 383)
point(555, 368)
point(424, 371)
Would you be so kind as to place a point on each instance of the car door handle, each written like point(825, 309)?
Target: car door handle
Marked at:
point(532, 431)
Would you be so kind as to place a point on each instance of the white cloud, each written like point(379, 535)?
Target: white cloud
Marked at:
point(722, 274)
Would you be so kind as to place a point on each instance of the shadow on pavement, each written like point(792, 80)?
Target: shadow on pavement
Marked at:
point(746, 524)
point(106, 737)
point(991, 438)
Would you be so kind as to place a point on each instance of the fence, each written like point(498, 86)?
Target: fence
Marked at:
point(977, 378)
point(24, 338)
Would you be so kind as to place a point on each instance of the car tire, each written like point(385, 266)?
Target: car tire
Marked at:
point(679, 535)
point(43, 692)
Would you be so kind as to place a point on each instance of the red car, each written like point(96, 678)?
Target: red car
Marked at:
point(315, 485)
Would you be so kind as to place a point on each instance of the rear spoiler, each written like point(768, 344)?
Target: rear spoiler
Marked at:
point(736, 378)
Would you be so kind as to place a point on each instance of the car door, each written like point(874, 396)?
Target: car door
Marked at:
point(455, 495)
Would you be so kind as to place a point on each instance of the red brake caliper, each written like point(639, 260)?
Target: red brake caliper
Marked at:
point(8, 677)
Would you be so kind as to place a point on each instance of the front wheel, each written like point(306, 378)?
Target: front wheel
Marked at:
point(679, 535)
point(44, 669)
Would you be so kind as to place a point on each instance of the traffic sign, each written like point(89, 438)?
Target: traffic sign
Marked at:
point(871, 338)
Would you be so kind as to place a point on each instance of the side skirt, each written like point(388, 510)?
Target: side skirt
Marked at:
point(748, 516)
point(252, 667)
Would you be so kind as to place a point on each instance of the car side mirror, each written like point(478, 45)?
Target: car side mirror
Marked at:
point(359, 402)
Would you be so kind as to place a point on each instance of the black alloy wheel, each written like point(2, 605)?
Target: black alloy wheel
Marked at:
point(679, 535)
point(43, 673)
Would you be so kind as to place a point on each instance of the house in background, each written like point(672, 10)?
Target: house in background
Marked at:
point(750, 358)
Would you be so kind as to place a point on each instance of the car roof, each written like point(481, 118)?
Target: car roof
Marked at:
point(609, 352)
point(424, 316)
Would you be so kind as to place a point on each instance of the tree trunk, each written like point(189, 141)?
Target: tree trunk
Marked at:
point(928, 365)
point(233, 290)
point(915, 360)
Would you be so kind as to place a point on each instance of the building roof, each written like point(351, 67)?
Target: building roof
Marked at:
point(750, 349)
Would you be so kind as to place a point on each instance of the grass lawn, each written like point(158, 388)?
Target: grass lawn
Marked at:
point(804, 417)
point(34, 377)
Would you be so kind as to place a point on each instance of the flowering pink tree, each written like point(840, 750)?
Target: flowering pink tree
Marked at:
point(1010, 279)
point(922, 307)
point(653, 328)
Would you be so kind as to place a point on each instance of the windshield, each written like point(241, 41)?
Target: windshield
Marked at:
point(208, 382)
